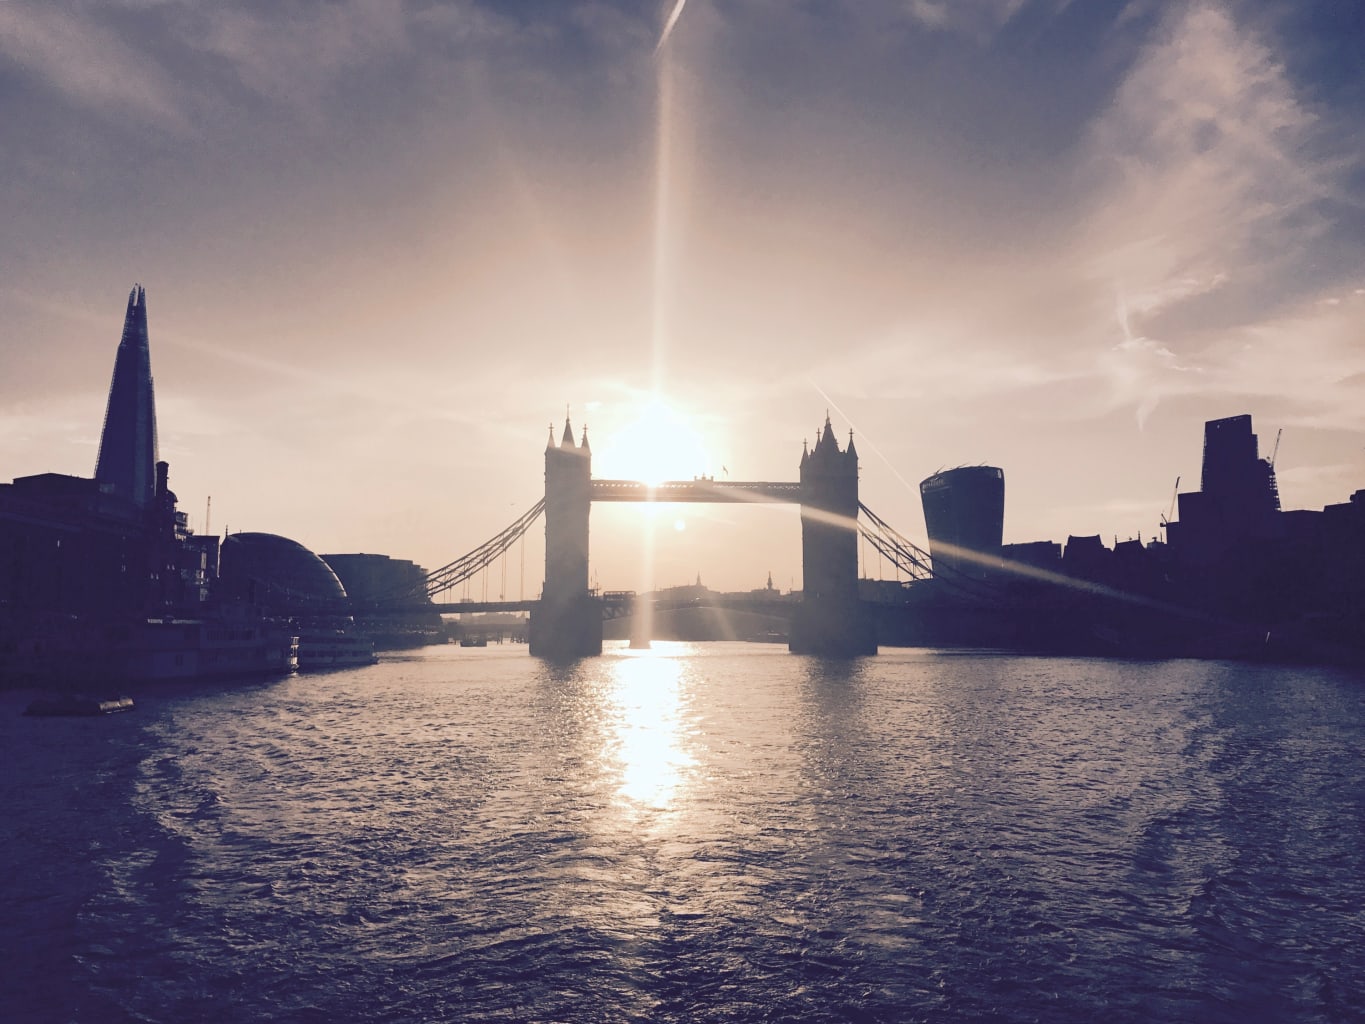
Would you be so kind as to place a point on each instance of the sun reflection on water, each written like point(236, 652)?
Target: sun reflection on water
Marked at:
point(648, 727)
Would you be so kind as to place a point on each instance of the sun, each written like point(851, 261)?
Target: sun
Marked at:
point(658, 445)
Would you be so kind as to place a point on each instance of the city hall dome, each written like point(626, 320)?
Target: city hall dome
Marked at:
point(280, 575)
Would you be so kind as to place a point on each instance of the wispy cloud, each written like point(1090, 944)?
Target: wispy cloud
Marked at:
point(1209, 178)
point(1200, 194)
point(1206, 164)
point(975, 16)
point(1310, 362)
point(297, 54)
point(91, 64)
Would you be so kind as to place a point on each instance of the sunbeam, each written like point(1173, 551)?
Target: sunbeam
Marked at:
point(662, 193)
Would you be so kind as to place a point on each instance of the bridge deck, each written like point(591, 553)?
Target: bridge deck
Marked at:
point(473, 607)
point(705, 490)
point(620, 599)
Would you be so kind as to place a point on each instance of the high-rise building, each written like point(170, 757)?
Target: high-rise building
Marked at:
point(128, 455)
point(964, 515)
point(1238, 500)
point(374, 578)
point(1235, 474)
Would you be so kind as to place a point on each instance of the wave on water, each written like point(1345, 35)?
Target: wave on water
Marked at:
point(714, 832)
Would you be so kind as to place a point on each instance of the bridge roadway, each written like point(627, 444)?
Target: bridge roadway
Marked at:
point(703, 489)
point(617, 600)
point(468, 607)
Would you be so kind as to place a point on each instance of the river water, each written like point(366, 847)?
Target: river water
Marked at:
point(709, 832)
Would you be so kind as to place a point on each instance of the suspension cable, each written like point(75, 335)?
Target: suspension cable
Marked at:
point(485, 554)
point(917, 563)
point(451, 575)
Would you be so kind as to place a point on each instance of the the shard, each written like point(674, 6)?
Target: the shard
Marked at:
point(127, 459)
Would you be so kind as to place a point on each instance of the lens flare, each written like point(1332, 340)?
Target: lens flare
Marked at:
point(668, 25)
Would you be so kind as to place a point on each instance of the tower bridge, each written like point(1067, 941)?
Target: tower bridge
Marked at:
point(830, 619)
point(566, 621)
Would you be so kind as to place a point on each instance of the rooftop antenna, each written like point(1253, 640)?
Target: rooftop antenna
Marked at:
point(208, 507)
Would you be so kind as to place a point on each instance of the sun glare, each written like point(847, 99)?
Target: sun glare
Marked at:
point(649, 729)
point(658, 445)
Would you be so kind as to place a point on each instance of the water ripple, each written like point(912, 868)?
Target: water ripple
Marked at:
point(709, 833)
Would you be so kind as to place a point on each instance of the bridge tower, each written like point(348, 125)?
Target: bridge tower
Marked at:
point(830, 620)
point(568, 621)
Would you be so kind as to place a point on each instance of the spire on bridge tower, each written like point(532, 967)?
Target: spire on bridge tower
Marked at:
point(567, 440)
point(826, 452)
point(584, 446)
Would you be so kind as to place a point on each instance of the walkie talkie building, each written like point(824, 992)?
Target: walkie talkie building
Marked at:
point(964, 515)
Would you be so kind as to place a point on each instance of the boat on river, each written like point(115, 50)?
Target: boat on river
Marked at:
point(87, 655)
point(334, 650)
point(201, 648)
point(72, 704)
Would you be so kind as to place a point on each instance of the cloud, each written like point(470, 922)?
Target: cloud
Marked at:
point(297, 54)
point(1141, 372)
point(1208, 178)
point(975, 16)
point(1309, 362)
point(1198, 206)
point(1207, 168)
point(89, 63)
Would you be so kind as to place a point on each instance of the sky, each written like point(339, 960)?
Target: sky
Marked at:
point(387, 243)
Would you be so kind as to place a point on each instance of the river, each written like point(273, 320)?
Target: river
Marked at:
point(706, 832)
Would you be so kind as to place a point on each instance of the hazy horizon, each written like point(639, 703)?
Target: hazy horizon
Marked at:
point(386, 243)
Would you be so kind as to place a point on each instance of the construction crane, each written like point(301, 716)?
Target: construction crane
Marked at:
point(1276, 450)
point(1175, 492)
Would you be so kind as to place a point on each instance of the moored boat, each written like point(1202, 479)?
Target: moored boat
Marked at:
point(194, 648)
point(334, 650)
point(67, 704)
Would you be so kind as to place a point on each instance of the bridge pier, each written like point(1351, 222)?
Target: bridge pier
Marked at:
point(566, 629)
point(568, 621)
point(831, 620)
